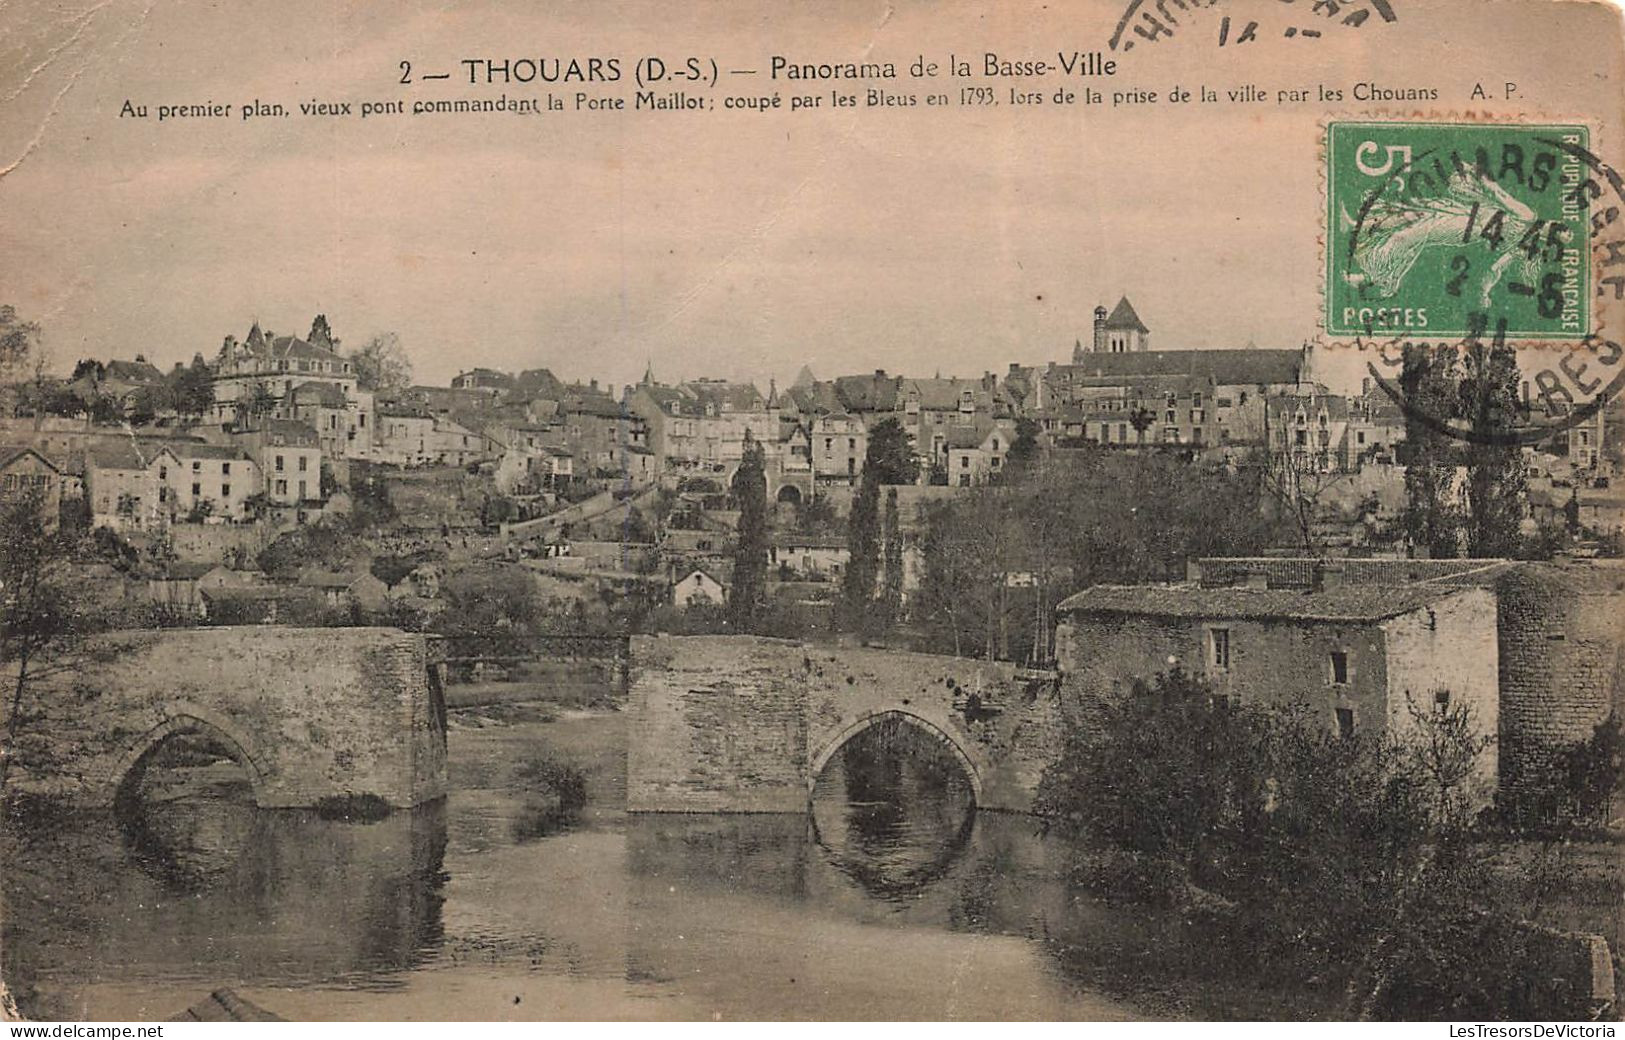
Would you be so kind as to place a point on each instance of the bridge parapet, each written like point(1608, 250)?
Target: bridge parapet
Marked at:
point(745, 724)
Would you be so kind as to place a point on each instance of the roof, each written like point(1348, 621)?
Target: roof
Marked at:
point(139, 371)
point(1123, 317)
point(808, 541)
point(294, 347)
point(723, 396)
point(328, 395)
point(1343, 603)
point(1251, 366)
point(10, 453)
point(199, 450)
point(871, 393)
point(185, 571)
point(125, 454)
point(944, 394)
point(320, 578)
point(971, 435)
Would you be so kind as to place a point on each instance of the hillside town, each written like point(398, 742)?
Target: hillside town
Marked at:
point(200, 470)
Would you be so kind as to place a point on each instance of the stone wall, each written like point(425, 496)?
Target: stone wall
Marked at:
point(1562, 661)
point(309, 713)
point(744, 724)
point(214, 543)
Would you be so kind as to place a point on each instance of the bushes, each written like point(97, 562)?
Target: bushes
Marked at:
point(1298, 854)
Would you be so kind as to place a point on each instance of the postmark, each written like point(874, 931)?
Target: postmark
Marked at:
point(1565, 379)
point(1430, 224)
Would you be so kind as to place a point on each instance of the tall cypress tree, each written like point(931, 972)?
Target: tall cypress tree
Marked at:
point(1496, 483)
point(863, 556)
point(891, 588)
point(750, 553)
point(1430, 519)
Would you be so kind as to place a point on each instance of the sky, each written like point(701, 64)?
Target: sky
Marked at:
point(740, 244)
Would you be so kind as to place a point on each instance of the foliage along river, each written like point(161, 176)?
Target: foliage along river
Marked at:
point(893, 900)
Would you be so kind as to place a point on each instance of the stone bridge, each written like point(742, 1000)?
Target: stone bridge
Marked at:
point(308, 713)
point(746, 724)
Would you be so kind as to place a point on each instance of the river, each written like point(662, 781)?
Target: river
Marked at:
point(893, 899)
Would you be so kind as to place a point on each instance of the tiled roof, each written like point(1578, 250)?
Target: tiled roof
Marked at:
point(1224, 367)
point(1123, 317)
point(125, 454)
point(328, 395)
point(10, 453)
point(197, 450)
point(726, 397)
point(970, 435)
point(133, 372)
point(1337, 603)
point(870, 393)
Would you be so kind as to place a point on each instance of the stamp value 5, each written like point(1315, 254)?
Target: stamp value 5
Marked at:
point(1432, 224)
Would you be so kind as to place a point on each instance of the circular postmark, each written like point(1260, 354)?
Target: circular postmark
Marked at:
point(1471, 249)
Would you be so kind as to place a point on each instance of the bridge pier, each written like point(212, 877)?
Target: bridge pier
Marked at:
point(309, 714)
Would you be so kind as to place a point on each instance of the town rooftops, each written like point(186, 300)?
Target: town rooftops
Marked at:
point(137, 371)
point(131, 453)
point(1340, 603)
point(199, 450)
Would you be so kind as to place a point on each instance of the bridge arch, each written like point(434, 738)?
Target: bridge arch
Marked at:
point(190, 719)
point(842, 737)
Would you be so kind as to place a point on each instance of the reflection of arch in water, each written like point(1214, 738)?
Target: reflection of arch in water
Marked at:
point(931, 729)
point(132, 765)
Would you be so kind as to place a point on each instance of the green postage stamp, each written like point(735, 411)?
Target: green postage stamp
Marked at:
point(1449, 229)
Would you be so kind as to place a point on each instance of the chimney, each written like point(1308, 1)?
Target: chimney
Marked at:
point(141, 359)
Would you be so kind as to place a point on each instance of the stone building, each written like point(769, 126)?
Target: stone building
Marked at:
point(1361, 658)
point(1560, 639)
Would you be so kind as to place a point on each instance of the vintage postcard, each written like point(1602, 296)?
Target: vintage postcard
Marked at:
point(1075, 510)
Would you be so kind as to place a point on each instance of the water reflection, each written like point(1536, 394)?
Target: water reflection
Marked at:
point(894, 810)
point(872, 907)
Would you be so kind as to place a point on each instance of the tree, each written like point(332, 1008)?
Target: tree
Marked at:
point(19, 344)
point(749, 490)
point(1024, 450)
point(1496, 483)
point(191, 389)
point(321, 334)
point(1141, 419)
point(1430, 519)
point(890, 454)
point(34, 611)
point(863, 556)
point(891, 588)
point(382, 364)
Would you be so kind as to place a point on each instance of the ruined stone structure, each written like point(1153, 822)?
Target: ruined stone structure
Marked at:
point(746, 724)
point(308, 713)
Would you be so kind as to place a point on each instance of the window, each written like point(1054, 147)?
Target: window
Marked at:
point(196, 466)
point(282, 487)
point(1169, 418)
point(1218, 647)
point(1441, 702)
point(1359, 438)
point(225, 490)
point(964, 462)
point(304, 463)
point(1196, 400)
point(279, 463)
point(1340, 667)
point(163, 472)
point(851, 444)
point(1345, 722)
point(1196, 417)
point(302, 494)
point(197, 489)
point(225, 469)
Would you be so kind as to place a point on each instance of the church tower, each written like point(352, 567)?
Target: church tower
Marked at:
point(1122, 332)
